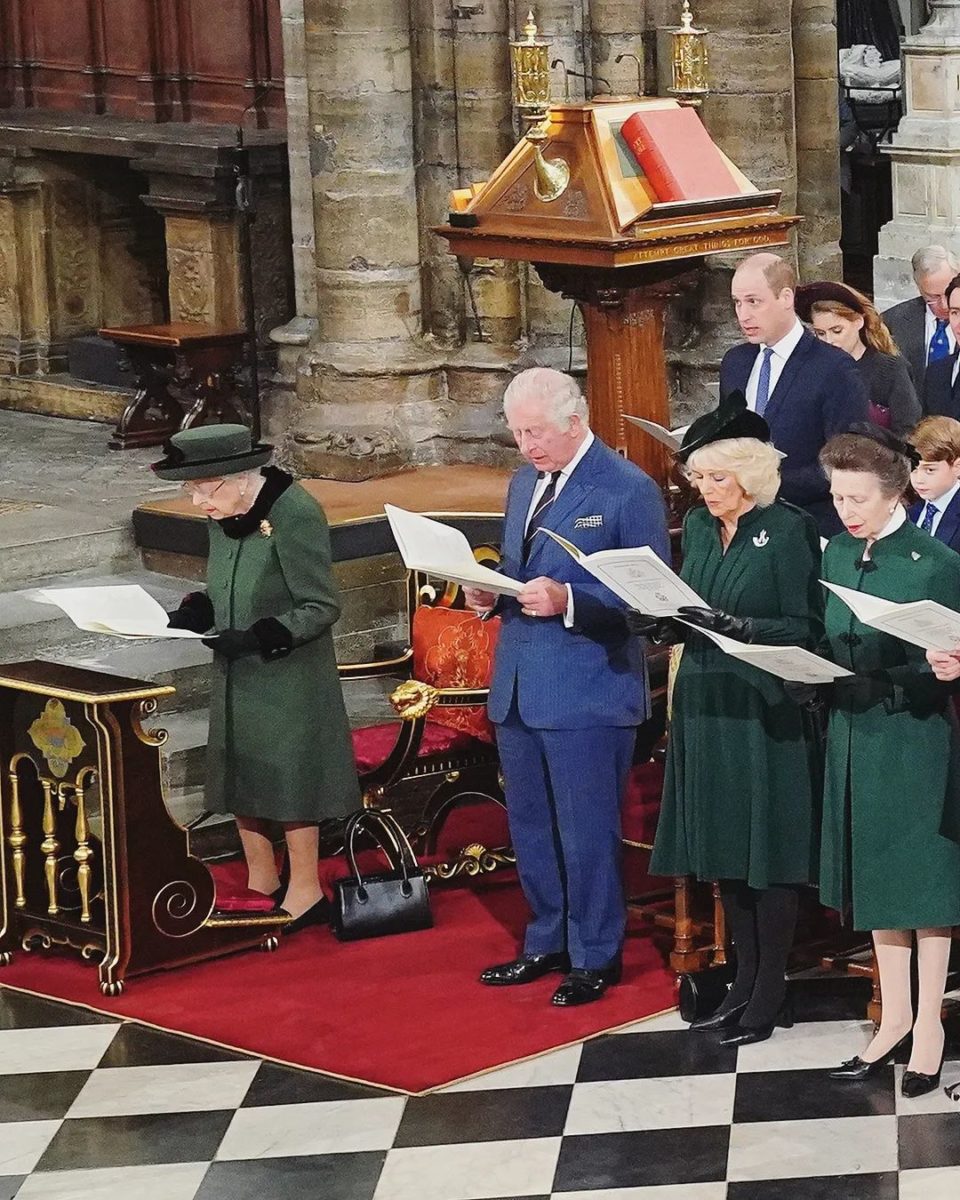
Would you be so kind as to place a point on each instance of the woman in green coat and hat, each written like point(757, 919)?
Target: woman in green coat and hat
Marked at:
point(889, 856)
point(279, 748)
point(741, 788)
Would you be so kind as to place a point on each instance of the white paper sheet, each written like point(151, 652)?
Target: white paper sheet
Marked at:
point(123, 610)
point(441, 550)
point(671, 438)
point(637, 576)
point(923, 623)
point(786, 662)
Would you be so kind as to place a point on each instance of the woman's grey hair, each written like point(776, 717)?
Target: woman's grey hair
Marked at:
point(931, 258)
point(561, 393)
point(755, 465)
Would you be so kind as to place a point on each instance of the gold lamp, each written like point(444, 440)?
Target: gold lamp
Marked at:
point(689, 60)
point(530, 62)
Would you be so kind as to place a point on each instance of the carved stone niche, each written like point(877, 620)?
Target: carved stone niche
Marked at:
point(112, 222)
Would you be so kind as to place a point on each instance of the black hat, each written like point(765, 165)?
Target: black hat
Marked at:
point(209, 451)
point(730, 419)
point(883, 437)
point(807, 295)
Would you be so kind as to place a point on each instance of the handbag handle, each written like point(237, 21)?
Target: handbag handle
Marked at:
point(373, 818)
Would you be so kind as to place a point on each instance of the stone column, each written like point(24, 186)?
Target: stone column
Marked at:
point(370, 393)
point(926, 155)
point(817, 121)
point(296, 333)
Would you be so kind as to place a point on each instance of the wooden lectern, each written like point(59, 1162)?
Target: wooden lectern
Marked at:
point(89, 856)
point(603, 240)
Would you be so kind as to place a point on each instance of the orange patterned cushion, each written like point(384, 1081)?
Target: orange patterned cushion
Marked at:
point(454, 648)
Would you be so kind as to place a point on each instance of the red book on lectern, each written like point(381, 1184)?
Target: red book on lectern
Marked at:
point(677, 155)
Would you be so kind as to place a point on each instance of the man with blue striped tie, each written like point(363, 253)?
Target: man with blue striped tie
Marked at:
point(569, 685)
point(806, 390)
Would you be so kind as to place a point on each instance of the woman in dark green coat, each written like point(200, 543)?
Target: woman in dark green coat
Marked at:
point(741, 777)
point(279, 746)
point(889, 797)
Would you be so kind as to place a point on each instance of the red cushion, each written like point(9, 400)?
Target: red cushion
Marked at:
point(641, 802)
point(372, 744)
point(454, 648)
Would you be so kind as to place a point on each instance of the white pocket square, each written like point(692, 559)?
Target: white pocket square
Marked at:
point(589, 522)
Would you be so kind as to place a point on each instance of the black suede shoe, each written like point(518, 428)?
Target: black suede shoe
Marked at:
point(720, 1019)
point(916, 1083)
point(524, 969)
point(583, 986)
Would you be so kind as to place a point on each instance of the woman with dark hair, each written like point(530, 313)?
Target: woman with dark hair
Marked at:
point(886, 860)
point(845, 318)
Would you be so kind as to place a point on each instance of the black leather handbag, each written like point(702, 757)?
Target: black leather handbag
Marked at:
point(393, 901)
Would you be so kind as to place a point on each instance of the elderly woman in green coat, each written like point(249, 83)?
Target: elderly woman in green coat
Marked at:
point(888, 858)
point(279, 747)
point(741, 789)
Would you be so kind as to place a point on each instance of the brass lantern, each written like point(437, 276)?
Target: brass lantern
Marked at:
point(689, 60)
point(530, 62)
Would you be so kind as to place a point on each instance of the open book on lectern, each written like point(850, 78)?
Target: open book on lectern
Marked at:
point(438, 549)
point(638, 576)
point(923, 623)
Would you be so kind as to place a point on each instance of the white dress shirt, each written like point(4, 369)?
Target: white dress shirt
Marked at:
point(929, 329)
point(940, 504)
point(956, 367)
point(778, 360)
point(538, 491)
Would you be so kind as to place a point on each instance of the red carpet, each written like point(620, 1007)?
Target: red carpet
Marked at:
point(402, 1012)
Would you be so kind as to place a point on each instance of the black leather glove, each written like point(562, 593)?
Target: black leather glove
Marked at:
point(195, 613)
point(662, 630)
point(861, 691)
point(810, 696)
point(740, 628)
point(233, 643)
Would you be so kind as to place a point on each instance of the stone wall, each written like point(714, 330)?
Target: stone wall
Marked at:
point(406, 99)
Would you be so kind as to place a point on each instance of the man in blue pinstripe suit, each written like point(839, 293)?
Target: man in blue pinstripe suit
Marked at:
point(569, 684)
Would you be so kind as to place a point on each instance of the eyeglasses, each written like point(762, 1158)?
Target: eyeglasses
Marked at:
point(201, 489)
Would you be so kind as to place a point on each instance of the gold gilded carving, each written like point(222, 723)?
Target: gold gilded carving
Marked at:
point(152, 737)
point(473, 860)
point(17, 839)
point(414, 699)
point(57, 739)
point(50, 847)
point(175, 909)
point(84, 852)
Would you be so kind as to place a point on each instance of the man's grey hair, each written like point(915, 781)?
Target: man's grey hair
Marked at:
point(931, 258)
point(561, 393)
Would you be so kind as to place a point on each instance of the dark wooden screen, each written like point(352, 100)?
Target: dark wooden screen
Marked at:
point(149, 60)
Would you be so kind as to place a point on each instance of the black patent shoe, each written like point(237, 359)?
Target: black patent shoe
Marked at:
point(857, 1069)
point(916, 1083)
point(583, 986)
point(747, 1035)
point(525, 969)
point(317, 914)
point(720, 1019)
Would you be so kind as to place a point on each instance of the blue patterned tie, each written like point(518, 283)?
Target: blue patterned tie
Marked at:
point(929, 515)
point(763, 383)
point(939, 343)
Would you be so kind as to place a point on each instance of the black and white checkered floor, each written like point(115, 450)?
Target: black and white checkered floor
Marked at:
point(91, 1108)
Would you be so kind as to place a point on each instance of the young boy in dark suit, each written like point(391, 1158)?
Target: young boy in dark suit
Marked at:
point(937, 479)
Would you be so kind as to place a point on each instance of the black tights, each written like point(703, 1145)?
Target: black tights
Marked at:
point(761, 924)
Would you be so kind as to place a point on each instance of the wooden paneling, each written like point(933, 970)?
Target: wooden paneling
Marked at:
point(153, 60)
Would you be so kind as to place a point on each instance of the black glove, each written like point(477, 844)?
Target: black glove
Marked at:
point(662, 630)
point(233, 643)
point(810, 696)
point(740, 628)
point(861, 691)
point(195, 613)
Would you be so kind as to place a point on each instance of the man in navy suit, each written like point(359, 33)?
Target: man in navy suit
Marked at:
point(936, 479)
point(920, 325)
point(941, 393)
point(806, 390)
point(569, 686)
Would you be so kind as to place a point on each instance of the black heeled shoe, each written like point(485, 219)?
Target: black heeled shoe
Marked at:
point(747, 1035)
point(719, 1019)
point(317, 914)
point(857, 1069)
point(916, 1083)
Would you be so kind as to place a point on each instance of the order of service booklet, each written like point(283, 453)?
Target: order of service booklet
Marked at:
point(786, 662)
point(923, 623)
point(122, 610)
point(438, 549)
